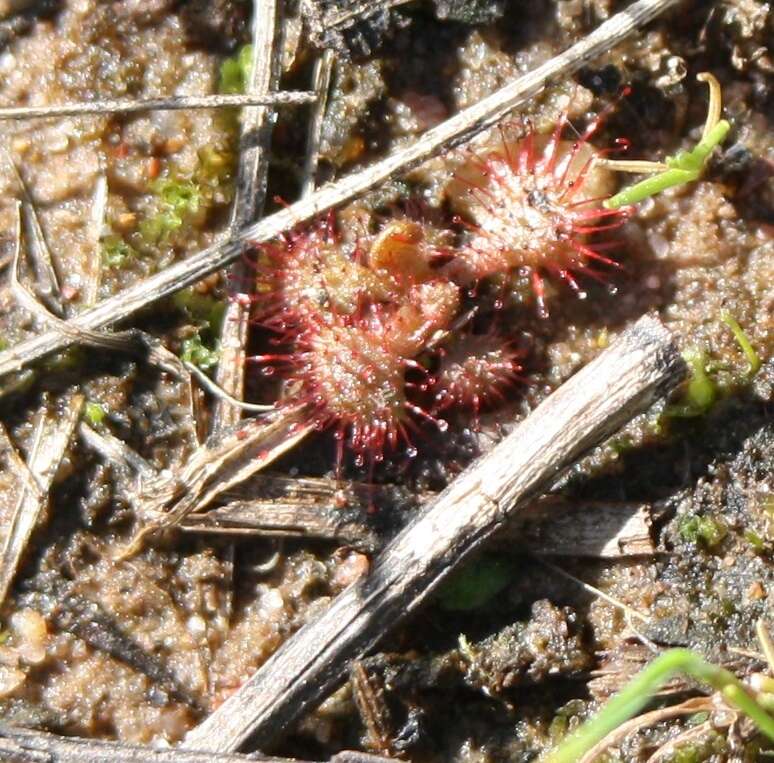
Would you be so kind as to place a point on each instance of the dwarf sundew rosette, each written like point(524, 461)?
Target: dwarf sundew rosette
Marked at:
point(366, 330)
point(536, 203)
point(475, 372)
point(349, 325)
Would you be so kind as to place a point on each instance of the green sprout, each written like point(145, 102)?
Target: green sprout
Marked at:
point(195, 351)
point(179, 200)
point(704, 530)
point(207, 313)
point(701, 392)
point(235, 72)
point(752, 356)
point(637, 693)
point(94, 413)
point(683, 167)
point(115, 252)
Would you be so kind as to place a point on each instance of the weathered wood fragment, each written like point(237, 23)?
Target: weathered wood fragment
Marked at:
point(642, 365)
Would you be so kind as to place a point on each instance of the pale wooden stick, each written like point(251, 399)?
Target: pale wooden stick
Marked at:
point(642, 365)
point(29, 746)
point(254, 143)
point(321, 82)
point(312, 509)
point(452, 131)
point(171, 103)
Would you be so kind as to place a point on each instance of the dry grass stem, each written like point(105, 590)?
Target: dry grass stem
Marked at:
point(171, 103)
point(321, 82)
point(322, 509)
point(93, 270)
point(627, 610)
point(47, 276)
point(220, 394)
point(689, 707)
point(217, 466)
point(53, 431)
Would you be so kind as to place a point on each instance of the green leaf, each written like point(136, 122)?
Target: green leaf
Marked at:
point(704, 530)
point(476, 584)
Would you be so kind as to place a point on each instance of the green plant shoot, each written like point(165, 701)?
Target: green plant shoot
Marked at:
point(178, 200)
point(116, 252)
point(94, 413)
point(636, 694)
point(194, 351)
point(701, 392)
point(235, 72)
point(706, 531)
point(753, 359)
point(683, 167)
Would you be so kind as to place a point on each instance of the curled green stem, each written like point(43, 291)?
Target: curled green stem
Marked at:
point(753, 359)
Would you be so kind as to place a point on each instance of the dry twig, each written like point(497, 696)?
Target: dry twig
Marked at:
point(28, 746)
point(450, 132)
point(326, 510)
point(53, 431)
point(269, 519)
point(52, 435)
point(255, 140)
point(321, 82)
point(93, 270)
point(640, 366)
point(47, 276)
point(115, 451)
point(216, 466)
point(171, 103)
